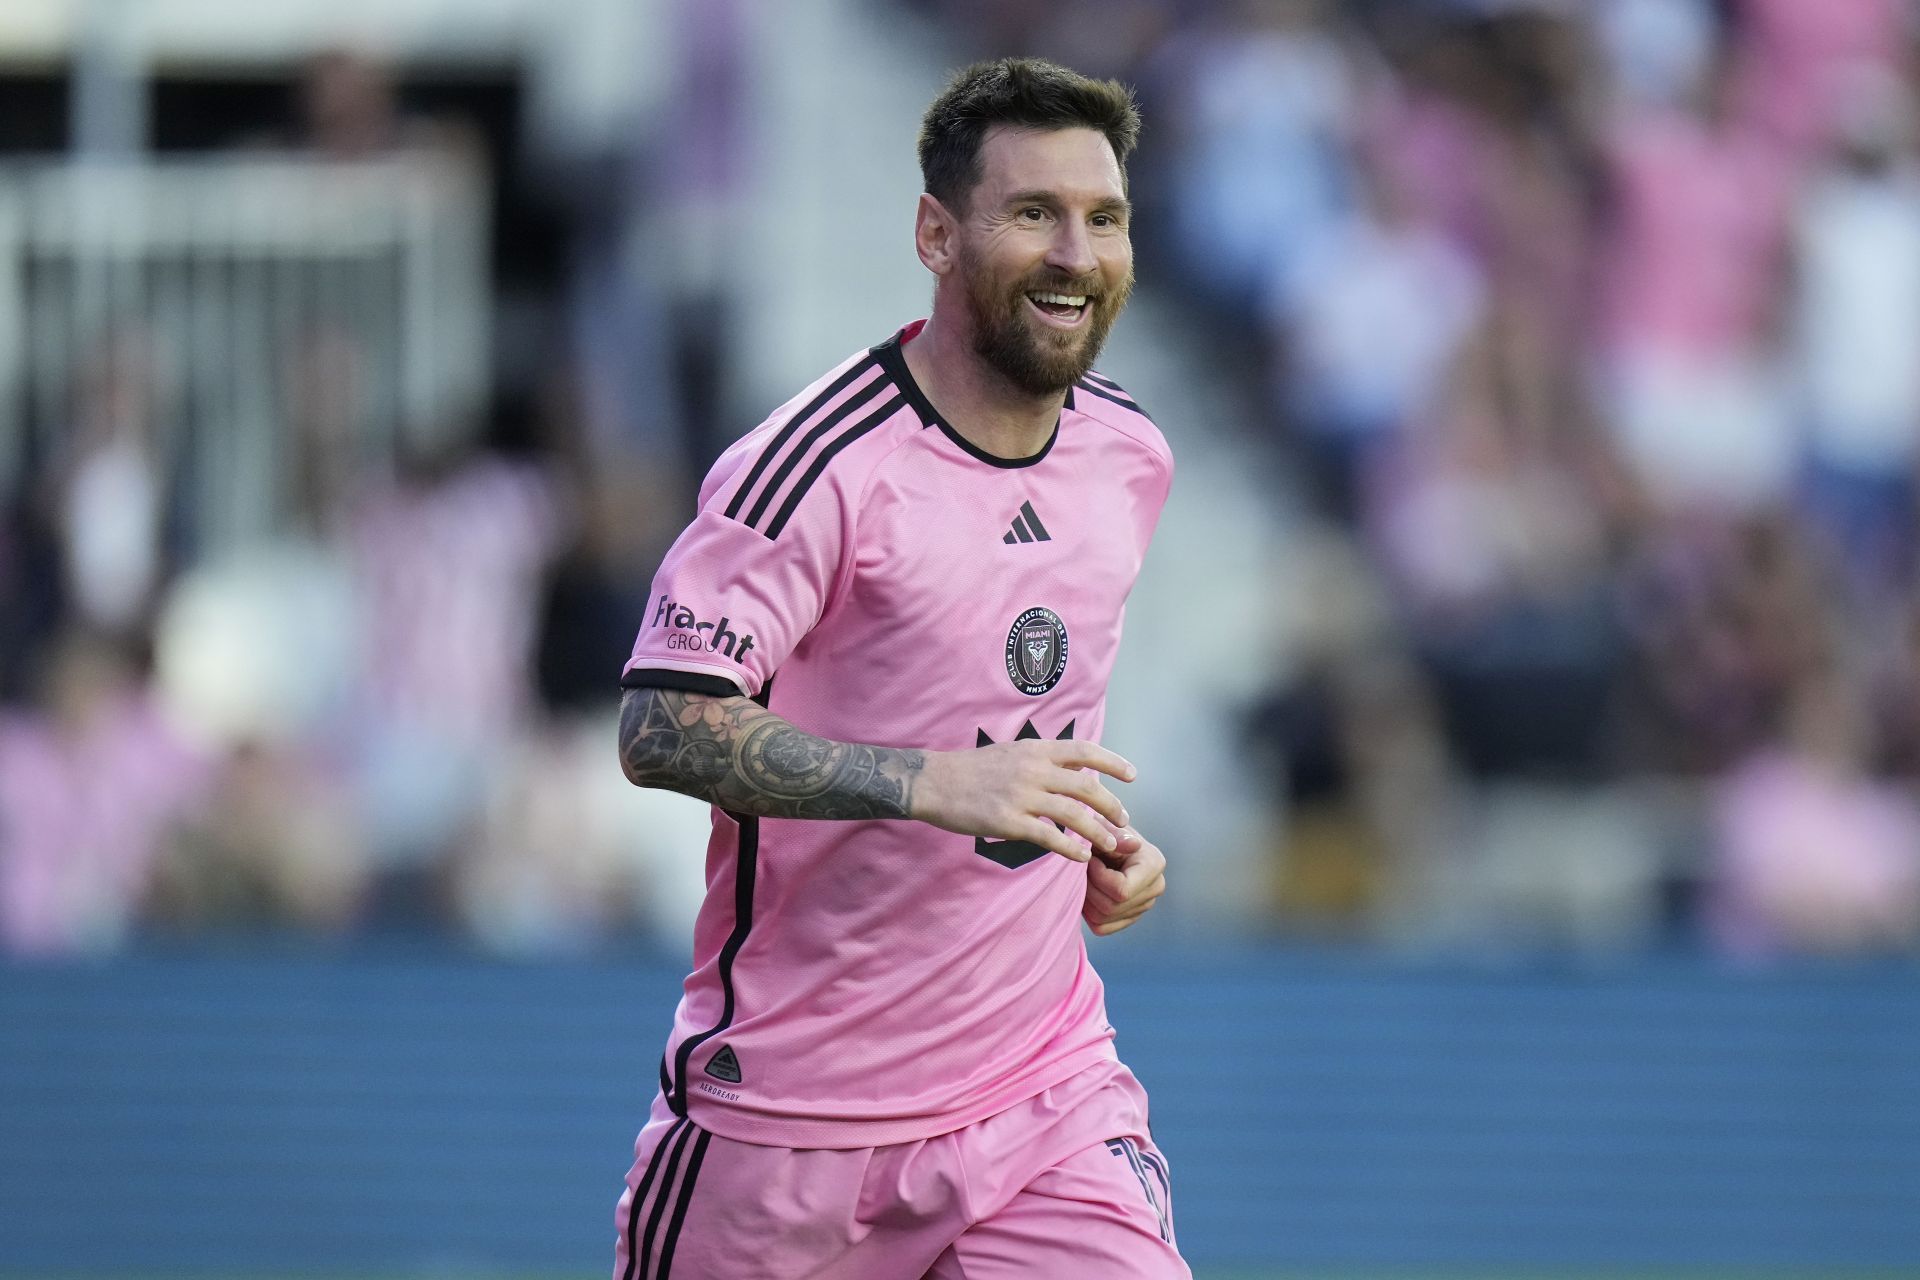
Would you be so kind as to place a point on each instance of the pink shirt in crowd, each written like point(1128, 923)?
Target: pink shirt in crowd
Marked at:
point(1699, 228)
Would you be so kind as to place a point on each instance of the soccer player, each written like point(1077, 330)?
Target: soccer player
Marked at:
point(881, 652)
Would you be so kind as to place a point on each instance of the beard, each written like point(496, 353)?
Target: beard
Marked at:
point(1037, 360)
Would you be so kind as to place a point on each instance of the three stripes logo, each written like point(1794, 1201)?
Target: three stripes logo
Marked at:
point(1027, 527)
point(648, 1254)
point(787, 467)
point(1150, 1169)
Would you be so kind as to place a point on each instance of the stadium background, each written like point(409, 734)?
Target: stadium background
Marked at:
point(1525, 683)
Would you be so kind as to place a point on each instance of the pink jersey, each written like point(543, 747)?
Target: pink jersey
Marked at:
point(869, 575)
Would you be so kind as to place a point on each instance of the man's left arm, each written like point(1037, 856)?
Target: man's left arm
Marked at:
point(1123, 885)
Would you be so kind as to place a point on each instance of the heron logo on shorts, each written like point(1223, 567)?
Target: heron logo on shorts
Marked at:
point(1036, 651)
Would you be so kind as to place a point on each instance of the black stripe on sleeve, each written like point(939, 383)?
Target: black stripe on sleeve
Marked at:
point(1120, 399)
point(685, 681)
point(793, 424)
point(674, 1223)
point(660, 1201)
point(1033, 522)
point(840, 442)
point(640, 1194)
point(745, 866)
point(850, 406)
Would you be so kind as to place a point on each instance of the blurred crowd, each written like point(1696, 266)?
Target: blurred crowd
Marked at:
point(1585, 339)
point(395, 712)
point(1590, 334)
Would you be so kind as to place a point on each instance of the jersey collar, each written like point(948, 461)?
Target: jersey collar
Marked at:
point(894, 361)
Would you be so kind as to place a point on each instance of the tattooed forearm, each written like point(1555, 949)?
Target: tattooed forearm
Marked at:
point(735, 753)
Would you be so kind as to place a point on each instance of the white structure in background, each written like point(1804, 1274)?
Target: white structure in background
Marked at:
point(218, 268)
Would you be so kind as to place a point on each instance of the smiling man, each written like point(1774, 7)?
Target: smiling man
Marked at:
point(881, 652)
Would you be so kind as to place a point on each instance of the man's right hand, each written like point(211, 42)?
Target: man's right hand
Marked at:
point(1021, 790)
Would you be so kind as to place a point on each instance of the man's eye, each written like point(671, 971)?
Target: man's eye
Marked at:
point(1033, 213)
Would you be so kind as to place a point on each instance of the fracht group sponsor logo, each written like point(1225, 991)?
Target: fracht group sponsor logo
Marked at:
point(702, 637)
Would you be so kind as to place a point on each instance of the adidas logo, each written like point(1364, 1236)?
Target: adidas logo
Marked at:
point(1027, 527)
point(724, 1066)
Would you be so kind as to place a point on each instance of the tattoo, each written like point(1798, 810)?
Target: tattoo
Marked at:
point(737, 754)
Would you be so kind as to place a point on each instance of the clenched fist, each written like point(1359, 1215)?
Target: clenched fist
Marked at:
point(1122, 884)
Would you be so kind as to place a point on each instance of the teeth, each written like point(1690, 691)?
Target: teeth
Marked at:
point(1060, 299)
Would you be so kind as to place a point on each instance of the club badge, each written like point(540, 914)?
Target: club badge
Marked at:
point(1036, 651)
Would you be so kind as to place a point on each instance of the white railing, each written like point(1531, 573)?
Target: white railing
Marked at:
point(223, 268)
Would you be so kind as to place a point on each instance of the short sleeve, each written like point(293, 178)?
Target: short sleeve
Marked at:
point(729, 603)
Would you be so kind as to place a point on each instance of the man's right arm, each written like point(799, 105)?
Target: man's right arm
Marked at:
point(734, 753)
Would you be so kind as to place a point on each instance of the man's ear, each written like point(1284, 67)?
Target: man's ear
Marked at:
point(934, 228)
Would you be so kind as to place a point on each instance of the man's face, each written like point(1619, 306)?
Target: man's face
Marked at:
point(1043, 253)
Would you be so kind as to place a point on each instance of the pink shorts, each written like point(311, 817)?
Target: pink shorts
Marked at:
point(1063, 1185)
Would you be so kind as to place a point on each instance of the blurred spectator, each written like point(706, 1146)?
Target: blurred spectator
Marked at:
point(1262, 99)
point(1372, 316)
point(30, 597)
point(110, 490)
point(350, 109)
point(1813, 854)
point(1858, 332)
point(1657, 49)
point(1798, 57)
point(1486, 522)
point(597, 590)
point(449, 562)
point(92, 779)
point(1693, 269)
point(274, 841)
point(1365, 789)
point(1722, 623)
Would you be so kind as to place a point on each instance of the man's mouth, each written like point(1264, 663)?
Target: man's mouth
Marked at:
point(1063, 309)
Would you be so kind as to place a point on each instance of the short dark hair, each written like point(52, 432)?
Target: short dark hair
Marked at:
point(1025, 92)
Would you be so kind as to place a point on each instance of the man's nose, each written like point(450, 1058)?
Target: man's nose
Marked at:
point(1071, 252)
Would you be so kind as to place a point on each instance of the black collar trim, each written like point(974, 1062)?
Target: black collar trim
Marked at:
point(894, 361)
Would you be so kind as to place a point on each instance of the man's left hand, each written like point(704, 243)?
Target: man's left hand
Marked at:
point(1122, 885)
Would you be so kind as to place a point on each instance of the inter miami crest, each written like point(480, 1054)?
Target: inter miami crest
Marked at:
point(1036, 651)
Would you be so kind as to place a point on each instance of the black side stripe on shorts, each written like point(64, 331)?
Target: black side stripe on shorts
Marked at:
point(1136, 1160)
point(840, 442)
point(853, 404)
point(1159, 1168)
point(679, 1217)
point(745, 866)
point(686, 1128)
point(793, 424)
point(640, 1195)
point(1113, 394)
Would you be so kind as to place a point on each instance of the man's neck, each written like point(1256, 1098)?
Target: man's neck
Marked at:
point(991, 414)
